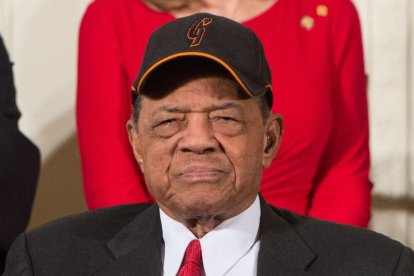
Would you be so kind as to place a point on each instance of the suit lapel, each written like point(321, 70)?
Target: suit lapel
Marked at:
point(282, 250)
point(137, 247)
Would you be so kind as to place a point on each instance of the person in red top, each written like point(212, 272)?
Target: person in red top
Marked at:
point(315, 53)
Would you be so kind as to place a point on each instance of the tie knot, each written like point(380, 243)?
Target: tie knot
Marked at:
point(192, 262)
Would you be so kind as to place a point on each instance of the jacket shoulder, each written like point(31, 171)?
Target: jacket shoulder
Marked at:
point(347, 248)
point(65, 246)
point(100, 223)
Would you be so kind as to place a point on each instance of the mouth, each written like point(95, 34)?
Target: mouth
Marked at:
point(200, 173)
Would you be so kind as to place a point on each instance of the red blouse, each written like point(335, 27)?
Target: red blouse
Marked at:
point(315, 52)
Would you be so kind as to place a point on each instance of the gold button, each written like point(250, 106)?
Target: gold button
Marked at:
point(322, 10)
point(307, 22)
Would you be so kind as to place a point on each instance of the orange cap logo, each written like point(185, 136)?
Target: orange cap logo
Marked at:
point(197, 31)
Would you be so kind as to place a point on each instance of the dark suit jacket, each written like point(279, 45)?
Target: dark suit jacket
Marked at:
point(19, 163)
point(127, 240)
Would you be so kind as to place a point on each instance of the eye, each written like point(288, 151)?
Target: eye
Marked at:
point(167, 122)
point(227, 124)
point(167, 127)
point(226, 118)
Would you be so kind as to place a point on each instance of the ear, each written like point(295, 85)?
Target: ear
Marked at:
point(272, 138)
point(133, 136)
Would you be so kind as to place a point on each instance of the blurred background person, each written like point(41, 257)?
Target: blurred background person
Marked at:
point(315, 53)
point(19, 163)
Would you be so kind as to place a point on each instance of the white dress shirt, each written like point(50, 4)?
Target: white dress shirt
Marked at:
point(231, 248)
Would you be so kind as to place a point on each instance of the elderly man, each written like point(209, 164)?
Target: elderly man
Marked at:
point(202, 132)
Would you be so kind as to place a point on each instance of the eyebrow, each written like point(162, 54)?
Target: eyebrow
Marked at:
point(176, 109)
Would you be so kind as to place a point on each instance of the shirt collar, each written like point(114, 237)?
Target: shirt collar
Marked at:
point(221, 248)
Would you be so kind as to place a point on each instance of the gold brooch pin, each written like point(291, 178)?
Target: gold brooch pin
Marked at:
point(307, 22)
point(322, 10)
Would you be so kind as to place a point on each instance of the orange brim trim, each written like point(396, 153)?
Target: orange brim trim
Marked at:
point(197, 54)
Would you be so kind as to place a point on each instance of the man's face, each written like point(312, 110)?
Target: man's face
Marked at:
point(202, 148)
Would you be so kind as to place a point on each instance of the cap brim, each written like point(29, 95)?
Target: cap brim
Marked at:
point(251, 88)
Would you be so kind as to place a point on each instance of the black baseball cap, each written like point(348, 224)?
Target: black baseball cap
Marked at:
point(217, 38)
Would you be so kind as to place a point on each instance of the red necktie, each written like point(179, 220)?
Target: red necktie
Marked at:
point(192, 262)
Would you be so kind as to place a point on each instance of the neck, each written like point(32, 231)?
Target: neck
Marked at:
point(201, 222)
point(201, 226)
point(238, 10)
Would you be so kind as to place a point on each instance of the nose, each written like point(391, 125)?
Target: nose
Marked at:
point(198, 136)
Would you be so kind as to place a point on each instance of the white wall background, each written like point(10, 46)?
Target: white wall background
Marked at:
point(388, 30)
point(41, 36)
